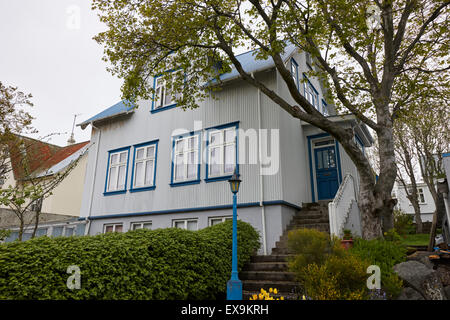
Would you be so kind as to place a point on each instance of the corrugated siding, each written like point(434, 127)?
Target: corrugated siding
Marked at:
point(236, 102)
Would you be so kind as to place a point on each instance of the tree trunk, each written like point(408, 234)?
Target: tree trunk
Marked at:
point(371, 222)
point(36, 223)
point(432, 232)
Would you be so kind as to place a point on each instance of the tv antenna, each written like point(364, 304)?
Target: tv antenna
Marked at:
point(72, 139)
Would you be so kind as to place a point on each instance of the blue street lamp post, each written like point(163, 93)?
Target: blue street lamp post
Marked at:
point(234, 285)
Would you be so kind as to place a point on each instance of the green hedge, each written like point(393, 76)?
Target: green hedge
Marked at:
point(142, 264)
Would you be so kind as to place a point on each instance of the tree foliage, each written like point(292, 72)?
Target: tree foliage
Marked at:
point(373, 70)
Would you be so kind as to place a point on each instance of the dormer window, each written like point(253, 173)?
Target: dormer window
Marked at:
point(164, 98)
point(311, 93)
point(308, 60)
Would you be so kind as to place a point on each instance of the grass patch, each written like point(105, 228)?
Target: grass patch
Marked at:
point(420, 239)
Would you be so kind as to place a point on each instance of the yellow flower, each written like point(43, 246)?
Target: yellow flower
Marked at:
point(261, 296)
point(282, 298)
point(255, 297)
point(304, 298)
point(270, 290)
point(275, 291)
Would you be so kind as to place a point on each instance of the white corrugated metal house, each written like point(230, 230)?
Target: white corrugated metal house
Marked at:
point(157, 166)
point(426, 202)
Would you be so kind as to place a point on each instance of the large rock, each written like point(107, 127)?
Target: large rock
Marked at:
point(422, 257)
point(444, 274)
point(422, 279)
point(410, 294)
point(447, 291)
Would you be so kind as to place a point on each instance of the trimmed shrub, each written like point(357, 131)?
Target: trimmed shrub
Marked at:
point(143, 264)
point(325, 270)
point(384, 254)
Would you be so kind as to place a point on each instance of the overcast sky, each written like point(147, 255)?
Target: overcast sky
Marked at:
point(47, 50)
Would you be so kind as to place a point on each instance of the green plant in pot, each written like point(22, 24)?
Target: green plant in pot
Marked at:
point(347, 240)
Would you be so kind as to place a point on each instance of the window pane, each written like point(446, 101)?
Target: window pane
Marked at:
point(215, 138)
point(140, 153)
point(136, 226)
point(147, 225)
point(179, 167)
point(168, 97)
point(109, 228)
point(192, 225)
point(69, 232)
point(179, 146)
point(230, 135)
point(216, 221)
point(229, 158)
point(214, 163)
point(151, 152)
point(149, 173)
point(192, 166)
point(139, 176)
point(112, 185)
point(114, 158)
point(121, 179)
point(192, 143)
point(123, 157)
point(179, 224)
point(331, 157)
point(319, 160)
point(119, 228)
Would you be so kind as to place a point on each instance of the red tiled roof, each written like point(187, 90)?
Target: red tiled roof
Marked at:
point(36, 155)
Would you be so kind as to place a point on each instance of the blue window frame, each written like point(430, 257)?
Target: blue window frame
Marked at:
point(186, 159)
point(310, 93)
point(222, 152)
point(162, 99)
point(117, 171)
point(294, 72)
point(143, 172)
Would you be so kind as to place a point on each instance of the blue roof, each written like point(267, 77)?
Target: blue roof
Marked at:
point(251, 64)
point(247, 60)
point(114, 110)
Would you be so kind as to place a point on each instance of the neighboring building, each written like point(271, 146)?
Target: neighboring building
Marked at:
point(426, 202)
point(157, 166)
point(443, 187)
point(62, 207)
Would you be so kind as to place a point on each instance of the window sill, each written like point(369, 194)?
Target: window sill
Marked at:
point(143, 189)
point(221, 178)
point(110, 193)
point(170, 106)
point(184, 183)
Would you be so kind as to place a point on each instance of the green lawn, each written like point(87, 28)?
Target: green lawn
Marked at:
point(420, 239)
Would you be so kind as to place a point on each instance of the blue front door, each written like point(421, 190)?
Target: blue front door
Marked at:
point(326, 172)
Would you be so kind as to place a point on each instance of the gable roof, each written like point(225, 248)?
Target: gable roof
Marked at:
point(247, 60)
point(63, 158)
point(37, 156)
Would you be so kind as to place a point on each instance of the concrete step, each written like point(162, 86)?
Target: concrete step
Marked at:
point(300, 216)
point(301, 221)
point(266, 266)
point(267, 275)
point(281, 286)
point(317, 226)
point(271, 258)
point(281, 250)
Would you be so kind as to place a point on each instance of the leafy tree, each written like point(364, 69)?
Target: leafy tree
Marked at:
point(372, 69)
point(14, 119)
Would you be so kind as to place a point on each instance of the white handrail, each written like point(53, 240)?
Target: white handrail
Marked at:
point(339, 208)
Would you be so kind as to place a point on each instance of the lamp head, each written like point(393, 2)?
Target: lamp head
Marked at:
point(235, 182)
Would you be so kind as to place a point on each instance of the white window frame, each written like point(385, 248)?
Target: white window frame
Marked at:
point(185, 153)
point(114, 225)
point(311, 95)
point(222, 145)
point(141, 224)
point(160, 98)
point(421, 196)
point(224, 218)
point(144, 160)
point(117, 165)
point(294, 72)
point(185, 223)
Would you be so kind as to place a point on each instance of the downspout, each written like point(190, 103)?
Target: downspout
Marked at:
point(86, 232)
point(261, 183)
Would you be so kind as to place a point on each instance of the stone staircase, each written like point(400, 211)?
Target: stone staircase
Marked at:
point(271, 271)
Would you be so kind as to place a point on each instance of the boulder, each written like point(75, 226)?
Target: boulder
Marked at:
point(447, 292)
point(444, 274)
point(422, 279)
point(410, 294)
point(422, 257)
